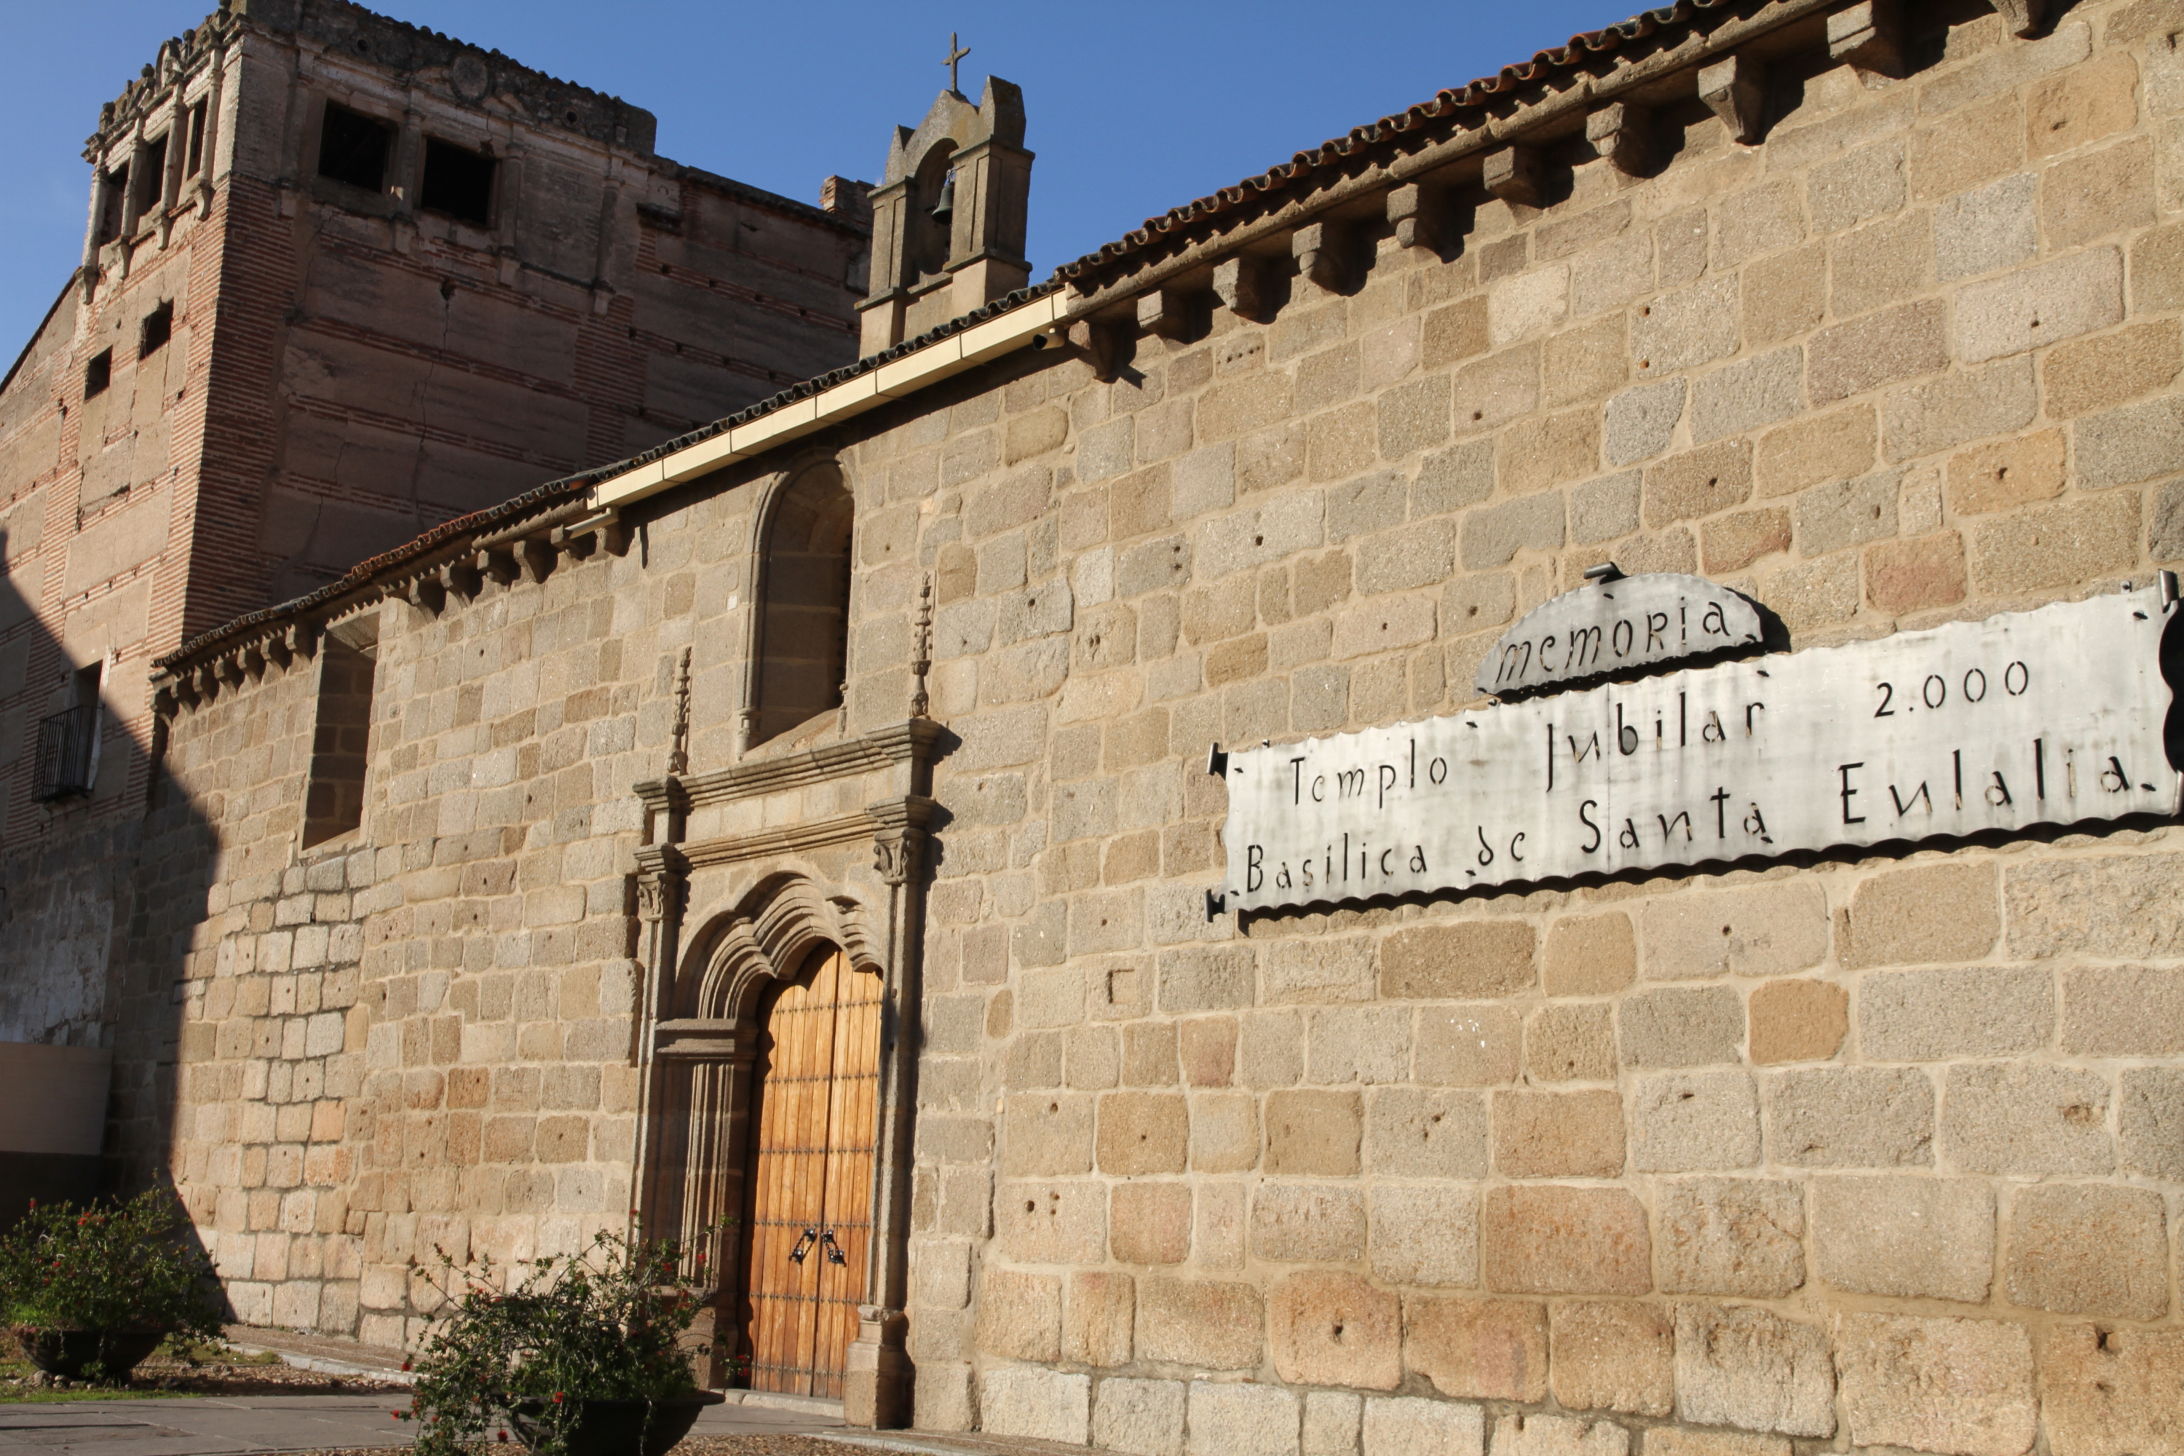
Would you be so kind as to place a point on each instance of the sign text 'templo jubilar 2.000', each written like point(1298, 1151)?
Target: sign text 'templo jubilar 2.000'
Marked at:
point(2051, 716)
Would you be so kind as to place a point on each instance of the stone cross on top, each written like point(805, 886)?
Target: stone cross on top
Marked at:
point(956, 52)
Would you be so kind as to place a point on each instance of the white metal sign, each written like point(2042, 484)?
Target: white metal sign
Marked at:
point(2053, 716)
point(1615, 625)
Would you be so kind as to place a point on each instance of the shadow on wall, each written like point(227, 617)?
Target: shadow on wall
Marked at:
point(103, 875)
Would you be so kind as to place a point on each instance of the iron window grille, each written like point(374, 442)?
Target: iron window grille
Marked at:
point(66, 743)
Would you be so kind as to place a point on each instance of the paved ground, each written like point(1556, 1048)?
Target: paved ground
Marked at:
point(214, 1425)
point(234, 1425)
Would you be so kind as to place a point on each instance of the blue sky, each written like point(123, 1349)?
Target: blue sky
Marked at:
point(1134, 106)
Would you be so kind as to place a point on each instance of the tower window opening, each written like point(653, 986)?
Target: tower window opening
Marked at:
point(458, 182)
point(150, 174)
point(113, 192)
point(193, 147)
point(158, 327)
point(353, 148)
point(98, 374)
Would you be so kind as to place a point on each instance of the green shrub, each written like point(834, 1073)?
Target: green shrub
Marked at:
point(108, 1266)
point(604, 1324)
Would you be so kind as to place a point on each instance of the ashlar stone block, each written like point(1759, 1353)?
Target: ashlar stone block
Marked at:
point(1958, 1386)
point(1331, 1423)
point(1020, 1315)
point(1492, 1349)
point(1564, 1239)
point(1424, 1234)
point(1097, 1317)
point(2108, 1391)
point(1746, 1367)
point(1419, 1132)
point(1767, 929)
point(1690, 1121)
point(1476, 958)
point(1850, 1117)
point(1308, 1222)
point(2020, 1117)
point(1738, 1236)
point(1905, 1235)
point(1558, 1134)
point(1796, 1021)
point(1329, 1328)
point(1313, 1133)
point(1922, 1016)
point(1590, 955)
point(1139, 1417)
point(1044, 1405)
point(1414, 1426)
point(2091, 1249)
point(1612, 1354)
point(1529, 1434)
point(1225, 1419)
point(1213, 1324)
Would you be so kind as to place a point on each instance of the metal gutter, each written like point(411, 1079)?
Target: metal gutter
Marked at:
point(896, 379)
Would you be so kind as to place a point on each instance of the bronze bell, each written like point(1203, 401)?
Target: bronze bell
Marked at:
point(944, 208)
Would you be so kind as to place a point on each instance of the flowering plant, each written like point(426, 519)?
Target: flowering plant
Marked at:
point(107, 1267)
point(603, 1324)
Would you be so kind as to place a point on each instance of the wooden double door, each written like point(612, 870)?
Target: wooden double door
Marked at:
point(808, 1209)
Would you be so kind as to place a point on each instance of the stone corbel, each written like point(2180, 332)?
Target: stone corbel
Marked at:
point(228, 669)
point(1415, 211)
point(578, 544)
point(499, 563)
point(899, 838)
point(303, 639)
point(1165, 312)
point(536, 558)
point(662, 879)
point(1869, 36)
point(426, 592)
point(1621, 134)
point(253, 661)
point(1103, 344)
point(1735, 89)
point(1514, 174)
point(1322, 252)
point(1240, 282)
point(2023, 17)
point(462, 578)
point(278, 651)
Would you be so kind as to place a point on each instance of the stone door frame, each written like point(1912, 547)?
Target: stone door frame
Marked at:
point(778, 894)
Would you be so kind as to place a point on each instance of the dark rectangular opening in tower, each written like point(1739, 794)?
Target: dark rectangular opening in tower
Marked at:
point(113, 193)
point(353, 148)
point(98, 373)
point(457, 182)
point(150, 174)
point(193, 151)
point(158, 327)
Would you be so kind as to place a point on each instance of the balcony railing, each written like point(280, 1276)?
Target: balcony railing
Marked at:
point(65, 744)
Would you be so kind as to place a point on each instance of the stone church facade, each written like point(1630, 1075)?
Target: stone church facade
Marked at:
point(481, 886)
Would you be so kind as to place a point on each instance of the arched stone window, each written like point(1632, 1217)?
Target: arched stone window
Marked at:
point(800, 641)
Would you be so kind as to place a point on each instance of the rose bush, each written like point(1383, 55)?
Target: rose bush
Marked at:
point(605, 1324)
point(86, 1277)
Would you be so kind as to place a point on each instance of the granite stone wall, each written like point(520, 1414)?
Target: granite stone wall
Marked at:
point(1871, 1154)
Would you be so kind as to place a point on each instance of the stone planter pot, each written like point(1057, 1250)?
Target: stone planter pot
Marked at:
point(626, 1427)
point(68, 1353)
